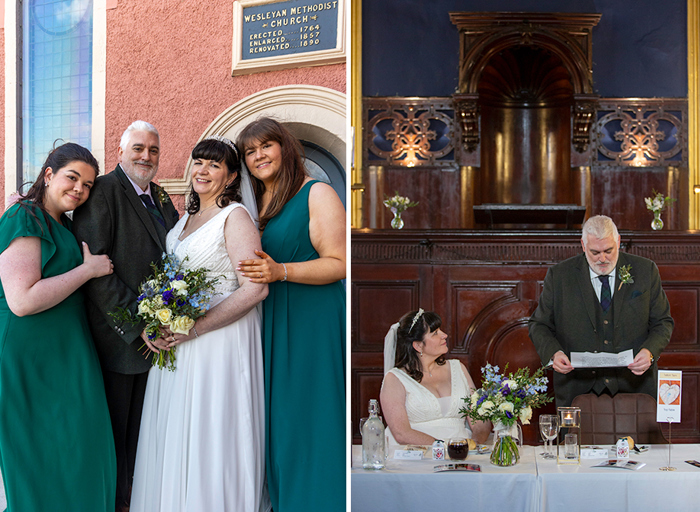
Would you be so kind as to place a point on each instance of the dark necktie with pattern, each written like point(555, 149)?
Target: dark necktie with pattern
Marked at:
point(152, 208)
point(605, 296)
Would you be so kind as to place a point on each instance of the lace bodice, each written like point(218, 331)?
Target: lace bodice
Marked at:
point(206, 248)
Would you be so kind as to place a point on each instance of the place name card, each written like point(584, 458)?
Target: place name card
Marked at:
point(408, 455)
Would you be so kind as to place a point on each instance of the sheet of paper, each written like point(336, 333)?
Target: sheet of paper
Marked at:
point(601, 359)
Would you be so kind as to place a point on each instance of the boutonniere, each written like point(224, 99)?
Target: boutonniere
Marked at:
point(624, 275)
point(163, 196)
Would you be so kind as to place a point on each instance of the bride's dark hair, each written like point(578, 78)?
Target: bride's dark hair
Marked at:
point(212, 149)
point(406, 356)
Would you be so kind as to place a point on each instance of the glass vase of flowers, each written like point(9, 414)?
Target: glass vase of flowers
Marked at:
point(657, 203)
point(398, 204)
point(504, 399)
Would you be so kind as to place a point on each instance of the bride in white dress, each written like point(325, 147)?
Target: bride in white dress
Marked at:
point(202, 440)
point(422, 390)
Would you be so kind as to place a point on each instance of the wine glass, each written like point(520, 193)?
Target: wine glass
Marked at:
point(545, 426)
point(550, 430)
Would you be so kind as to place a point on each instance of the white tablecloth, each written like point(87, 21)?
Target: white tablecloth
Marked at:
point(533, 485)
point(585, 489)
point(412, 485)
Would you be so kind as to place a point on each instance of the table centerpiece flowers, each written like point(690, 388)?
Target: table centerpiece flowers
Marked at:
point(172, 297)
point(503, 399)
point(398, 204)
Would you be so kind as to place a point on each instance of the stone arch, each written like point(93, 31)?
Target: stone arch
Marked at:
point(312, 113)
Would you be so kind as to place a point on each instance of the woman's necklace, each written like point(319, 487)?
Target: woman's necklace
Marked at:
point(200, 212)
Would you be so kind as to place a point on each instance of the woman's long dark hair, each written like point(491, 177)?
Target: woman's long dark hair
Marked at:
point(406, 356)
point(218, 151)
point(59, 157)
point(292, 173)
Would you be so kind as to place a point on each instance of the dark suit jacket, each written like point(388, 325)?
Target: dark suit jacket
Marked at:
point(568, 317)
point(115, 222)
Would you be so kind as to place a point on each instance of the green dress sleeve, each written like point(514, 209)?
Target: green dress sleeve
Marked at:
point(26, 219)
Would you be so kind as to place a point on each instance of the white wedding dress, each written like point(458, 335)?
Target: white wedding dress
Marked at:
point(201, 444)
point(437, 417)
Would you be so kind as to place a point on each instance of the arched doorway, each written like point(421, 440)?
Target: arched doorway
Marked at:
point(314, 115)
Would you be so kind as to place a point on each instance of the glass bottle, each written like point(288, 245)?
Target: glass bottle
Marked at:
point(373, 452)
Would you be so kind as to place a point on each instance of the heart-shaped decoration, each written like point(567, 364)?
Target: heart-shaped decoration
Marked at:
point(669, 393)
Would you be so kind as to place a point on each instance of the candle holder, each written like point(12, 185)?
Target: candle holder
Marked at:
point(569, 443)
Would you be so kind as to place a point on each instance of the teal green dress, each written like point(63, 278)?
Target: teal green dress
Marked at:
point(56, 444)
point(304, 355)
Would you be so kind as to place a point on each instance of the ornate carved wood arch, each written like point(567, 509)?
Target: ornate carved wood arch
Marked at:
point(566, 35)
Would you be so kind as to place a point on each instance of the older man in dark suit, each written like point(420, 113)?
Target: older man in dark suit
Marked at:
point(127, 217)
point(587, 306)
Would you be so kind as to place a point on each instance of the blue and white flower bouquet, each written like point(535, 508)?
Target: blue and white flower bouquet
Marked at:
point(171, 297)
point(505, 398)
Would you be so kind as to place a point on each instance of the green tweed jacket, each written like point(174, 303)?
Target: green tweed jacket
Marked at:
point(568, 318)
point(114, 221)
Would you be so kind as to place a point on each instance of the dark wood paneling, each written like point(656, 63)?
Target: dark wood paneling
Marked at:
point(485, 285)
point(620, 192)
point(436, 191)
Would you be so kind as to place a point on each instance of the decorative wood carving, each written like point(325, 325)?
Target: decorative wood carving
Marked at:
point(642, 132)
point(584, 115)
point(567, 35)
point(468, 115)
point(409, 132)
point(628, 132)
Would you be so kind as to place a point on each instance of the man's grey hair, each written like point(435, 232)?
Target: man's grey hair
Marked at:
point(599, 227)
point(137, 126)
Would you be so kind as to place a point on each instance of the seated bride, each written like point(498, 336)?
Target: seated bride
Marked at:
point(422, 391)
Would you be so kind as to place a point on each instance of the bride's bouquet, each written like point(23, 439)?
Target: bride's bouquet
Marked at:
point(504, 399)
point(171, 297)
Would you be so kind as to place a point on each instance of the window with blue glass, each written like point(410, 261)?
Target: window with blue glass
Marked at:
point(57, 78)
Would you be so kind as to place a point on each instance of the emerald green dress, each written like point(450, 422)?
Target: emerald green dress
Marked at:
point(304, 356)
point(56, 445)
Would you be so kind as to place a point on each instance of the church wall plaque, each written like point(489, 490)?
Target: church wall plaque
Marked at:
point(270, 35)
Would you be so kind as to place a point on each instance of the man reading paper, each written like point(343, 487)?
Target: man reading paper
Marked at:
point(589, 305)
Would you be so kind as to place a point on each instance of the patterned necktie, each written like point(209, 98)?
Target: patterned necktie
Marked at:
point(152, 208)
point(605, 296)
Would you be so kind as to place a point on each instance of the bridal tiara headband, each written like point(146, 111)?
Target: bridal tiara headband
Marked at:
point(226, 141)
point(247, 192)
point(415, 318)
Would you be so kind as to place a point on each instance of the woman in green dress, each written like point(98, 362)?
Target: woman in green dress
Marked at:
point(56, 445)
point(303, 239)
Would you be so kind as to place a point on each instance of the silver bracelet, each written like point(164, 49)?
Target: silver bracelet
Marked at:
point(195, 332)
point(285, 273)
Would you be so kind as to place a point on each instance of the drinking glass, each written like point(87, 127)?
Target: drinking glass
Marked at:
point(545, 422)
point(549, 428)
point(458, 448)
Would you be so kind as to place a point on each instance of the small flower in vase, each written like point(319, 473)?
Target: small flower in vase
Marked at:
point(625, 276)
point(657, 203)
point(398, 204)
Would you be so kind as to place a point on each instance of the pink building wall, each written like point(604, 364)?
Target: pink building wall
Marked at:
point(170, 64)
